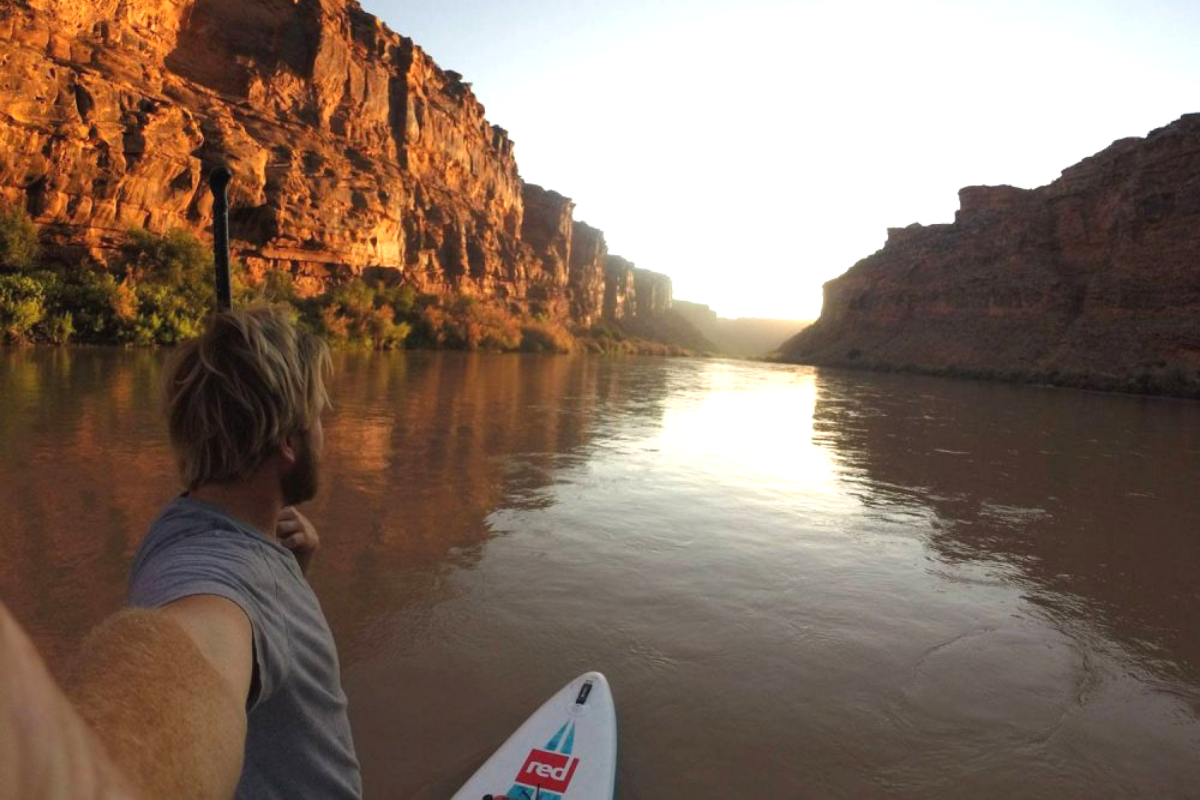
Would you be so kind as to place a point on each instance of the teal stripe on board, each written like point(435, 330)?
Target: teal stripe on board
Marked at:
point(553, 745)
point(570, 745)
point(519, 792)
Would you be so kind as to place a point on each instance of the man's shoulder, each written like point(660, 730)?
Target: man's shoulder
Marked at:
point(194, 549)
point(191, 539)
point(188, 523)
point(182, 516)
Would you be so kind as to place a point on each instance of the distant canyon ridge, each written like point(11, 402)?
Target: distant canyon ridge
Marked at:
point(351, 150)
point(1090, 281)
point(745, 337)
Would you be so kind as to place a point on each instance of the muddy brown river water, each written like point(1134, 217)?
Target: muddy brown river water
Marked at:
point(800, 583)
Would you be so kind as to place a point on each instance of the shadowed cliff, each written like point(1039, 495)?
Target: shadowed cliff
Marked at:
point(1091, 281)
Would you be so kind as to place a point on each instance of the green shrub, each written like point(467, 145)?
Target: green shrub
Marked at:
point(166, 315)
point(356, 312)
point(402, 298)
point(384, 333)
point(464, 322)
point(176, 260)
point(92, 297)
point(277, 287)
point(161, 289)
point(22, 306)
point(18, 240)
point(543, 336)
point(166, 287)
point(59, 328)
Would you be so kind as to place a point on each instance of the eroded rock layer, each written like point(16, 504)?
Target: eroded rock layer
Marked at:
point(1092, 280)
point(586, 272)
point(351, 149)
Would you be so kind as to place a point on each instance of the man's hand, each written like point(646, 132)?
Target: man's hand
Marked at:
point(297, 534)
point(46, 750)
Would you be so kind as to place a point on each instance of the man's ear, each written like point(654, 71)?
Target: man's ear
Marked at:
point(289, 449)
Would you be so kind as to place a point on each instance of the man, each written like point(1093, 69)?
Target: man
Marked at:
point(223, 678)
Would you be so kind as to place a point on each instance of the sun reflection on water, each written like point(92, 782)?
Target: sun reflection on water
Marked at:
point(753, 428)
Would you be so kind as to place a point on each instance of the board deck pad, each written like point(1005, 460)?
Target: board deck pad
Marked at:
point(566, 751)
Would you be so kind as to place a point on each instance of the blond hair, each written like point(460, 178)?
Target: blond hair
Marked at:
point(232, 394)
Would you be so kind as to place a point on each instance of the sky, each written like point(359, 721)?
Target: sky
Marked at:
point(753, 150)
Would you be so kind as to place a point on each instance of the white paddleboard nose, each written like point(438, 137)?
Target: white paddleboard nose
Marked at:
point(566, 751)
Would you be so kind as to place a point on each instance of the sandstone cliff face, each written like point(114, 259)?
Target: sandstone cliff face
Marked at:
point(351, 149)
point(620, 294)
point(586, 272)
point(630, 292)
point(1092, 280)
point(547, 228)
point(654, 292)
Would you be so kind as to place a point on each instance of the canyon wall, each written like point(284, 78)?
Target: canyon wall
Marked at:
point(586, 272)
point(1092, 280)
point(745, 337)
point(351, 149)
point(620, 292)
point(633, 292)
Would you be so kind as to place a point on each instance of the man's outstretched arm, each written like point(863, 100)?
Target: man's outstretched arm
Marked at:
point(157, 707)
point(47, 751)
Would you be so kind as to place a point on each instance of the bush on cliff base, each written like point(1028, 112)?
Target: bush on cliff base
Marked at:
point(160, 289)
point(159, 292)
point(22, 306)
point(545, 336)
point(357, 312)
point(466, 323)
point(18, 240)
point(165, 287)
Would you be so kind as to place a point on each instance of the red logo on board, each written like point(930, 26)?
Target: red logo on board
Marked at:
point(549, 771)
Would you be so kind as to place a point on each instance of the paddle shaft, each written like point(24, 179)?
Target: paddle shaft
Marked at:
point(218, 181)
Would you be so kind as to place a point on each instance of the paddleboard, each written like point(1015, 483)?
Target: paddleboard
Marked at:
point(566, 751)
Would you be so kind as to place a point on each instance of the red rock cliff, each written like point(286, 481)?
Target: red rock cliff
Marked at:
point(620, 292)
point(586, 272)
point(1093, 280)
point(351, 148)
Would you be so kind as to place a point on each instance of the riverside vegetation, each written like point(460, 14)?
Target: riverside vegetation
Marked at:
point(158, 289)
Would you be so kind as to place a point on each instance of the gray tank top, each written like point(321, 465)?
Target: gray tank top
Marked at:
point(298, 741)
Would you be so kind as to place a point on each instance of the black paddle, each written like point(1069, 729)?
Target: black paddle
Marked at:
point(218, 181)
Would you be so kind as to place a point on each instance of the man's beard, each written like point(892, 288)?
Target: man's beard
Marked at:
point(301, 481)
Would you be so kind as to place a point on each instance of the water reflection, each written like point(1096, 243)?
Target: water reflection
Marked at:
point(421, 449)
point(808, 583)
point(83, 471)
point(1088, 500)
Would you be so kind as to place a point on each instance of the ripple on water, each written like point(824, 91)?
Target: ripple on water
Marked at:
point(995, 686)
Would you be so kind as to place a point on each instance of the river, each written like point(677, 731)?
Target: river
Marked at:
point(799, 582)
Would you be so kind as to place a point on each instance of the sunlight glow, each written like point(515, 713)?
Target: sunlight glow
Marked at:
point(755, 150)
point(733, 429)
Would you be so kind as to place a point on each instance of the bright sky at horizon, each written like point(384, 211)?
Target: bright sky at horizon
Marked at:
point(753, 152)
